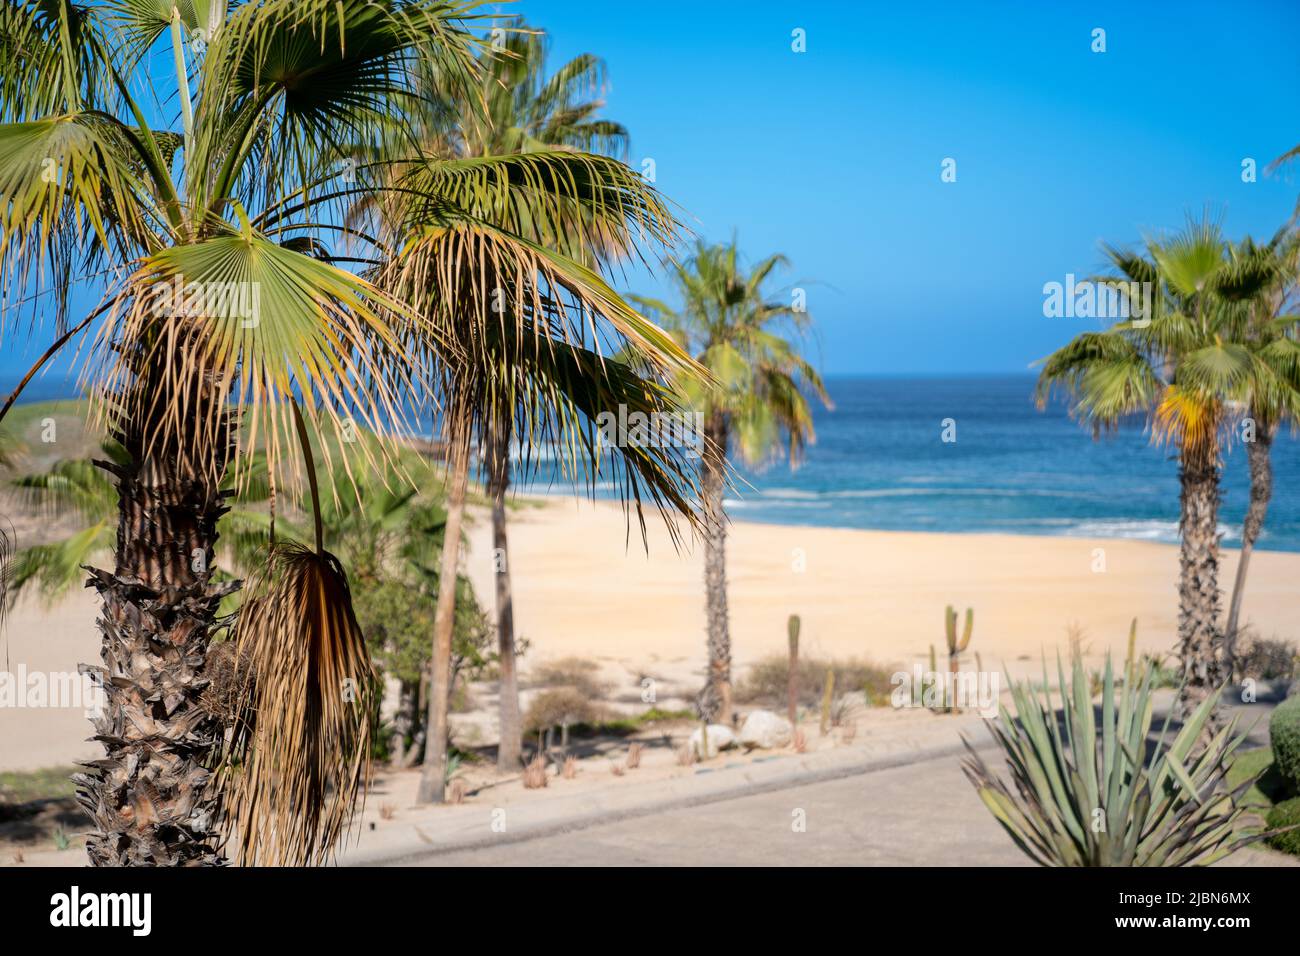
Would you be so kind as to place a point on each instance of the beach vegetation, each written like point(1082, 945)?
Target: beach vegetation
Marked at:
point(1187, 366)
point(756, 404)
point(1090, 787)
point(341, 266)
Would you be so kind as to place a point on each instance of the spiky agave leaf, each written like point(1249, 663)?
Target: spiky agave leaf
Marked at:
point(299, 756)
point(1090, 792)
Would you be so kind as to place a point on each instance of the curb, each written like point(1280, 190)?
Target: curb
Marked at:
point(712, 785)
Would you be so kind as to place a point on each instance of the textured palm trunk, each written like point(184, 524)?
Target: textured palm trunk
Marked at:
point(1259, 458)
point(433, 778)
point(509, 750)
point(150, 797)
point(404, 721)
point(1198, 585)
point(715, 701)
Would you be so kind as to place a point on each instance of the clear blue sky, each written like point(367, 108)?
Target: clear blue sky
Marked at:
point(833, 156)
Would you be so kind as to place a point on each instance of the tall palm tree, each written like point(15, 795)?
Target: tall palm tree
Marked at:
point(228, 304)
point(223, 305)
point(527, 111)
point(506, 278)
point(1270, 278)
point(1183, 365)
point(749, 342)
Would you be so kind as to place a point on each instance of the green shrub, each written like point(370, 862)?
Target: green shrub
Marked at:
point(1269, 787)
point(1285, 814)
point(1284, 732)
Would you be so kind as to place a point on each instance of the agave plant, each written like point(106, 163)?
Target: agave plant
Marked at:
point(1096, 793)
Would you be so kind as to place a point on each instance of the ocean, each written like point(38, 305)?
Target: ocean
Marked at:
point(879, 462)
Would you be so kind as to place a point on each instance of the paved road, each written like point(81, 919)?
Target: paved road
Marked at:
point(923, 814)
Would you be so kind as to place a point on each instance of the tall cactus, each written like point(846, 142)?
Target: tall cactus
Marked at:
point(827, 696)
point(955, 647)
point(792, 673)
point(1130, 662)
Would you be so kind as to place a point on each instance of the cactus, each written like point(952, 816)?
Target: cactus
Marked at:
point(792, 673)
point(1130, 662)
point(955, 648)
point(934, 672)
point(827, 695)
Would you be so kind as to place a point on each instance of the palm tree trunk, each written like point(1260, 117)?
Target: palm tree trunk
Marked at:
point(1259, 458)
point(715, 701)
point(404, 720)
point(433, 779)
point(1198, 586)
point(150, 797)
point(509, 750)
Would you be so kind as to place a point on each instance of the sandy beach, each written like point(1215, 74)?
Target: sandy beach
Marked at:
point(584, 587)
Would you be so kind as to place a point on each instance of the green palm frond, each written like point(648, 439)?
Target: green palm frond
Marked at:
point(53, 57)
point(69, 200)
point(55, 569)
point(757, 381)
point(275, 324)
point(299, 86)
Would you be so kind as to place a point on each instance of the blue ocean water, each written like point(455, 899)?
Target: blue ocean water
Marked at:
point(879, 462)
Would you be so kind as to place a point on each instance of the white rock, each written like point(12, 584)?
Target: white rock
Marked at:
point(720, 738)
point(762, 728)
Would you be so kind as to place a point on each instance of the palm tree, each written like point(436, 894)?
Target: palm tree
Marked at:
point(1269, 277)
point(526, 112)
point(758, 407)
point(231, 323)
point(1181, 362)
point(528, 325)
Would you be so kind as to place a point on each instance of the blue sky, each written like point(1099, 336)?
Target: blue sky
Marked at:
point(833, 156)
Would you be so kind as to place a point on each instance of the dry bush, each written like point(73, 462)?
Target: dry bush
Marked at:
point(456, 792)
point(535, 774)
point(575, 672)
point(685, 755)
point(767, 681)
point(555, 708)
point(1075, 635)
point(633, 756)
point(570, 768)
point(1264, 658)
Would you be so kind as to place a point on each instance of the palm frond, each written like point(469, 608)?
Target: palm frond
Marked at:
point(299, 757)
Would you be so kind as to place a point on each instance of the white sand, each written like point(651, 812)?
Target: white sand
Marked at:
point(581, 588)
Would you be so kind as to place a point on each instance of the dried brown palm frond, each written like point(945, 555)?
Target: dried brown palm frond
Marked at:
point(299, 756)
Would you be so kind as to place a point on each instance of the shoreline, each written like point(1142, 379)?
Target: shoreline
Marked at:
point(584, 586)
point(523, 497)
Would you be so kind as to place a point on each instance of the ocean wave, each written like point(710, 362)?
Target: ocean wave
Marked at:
point(1150, 529)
